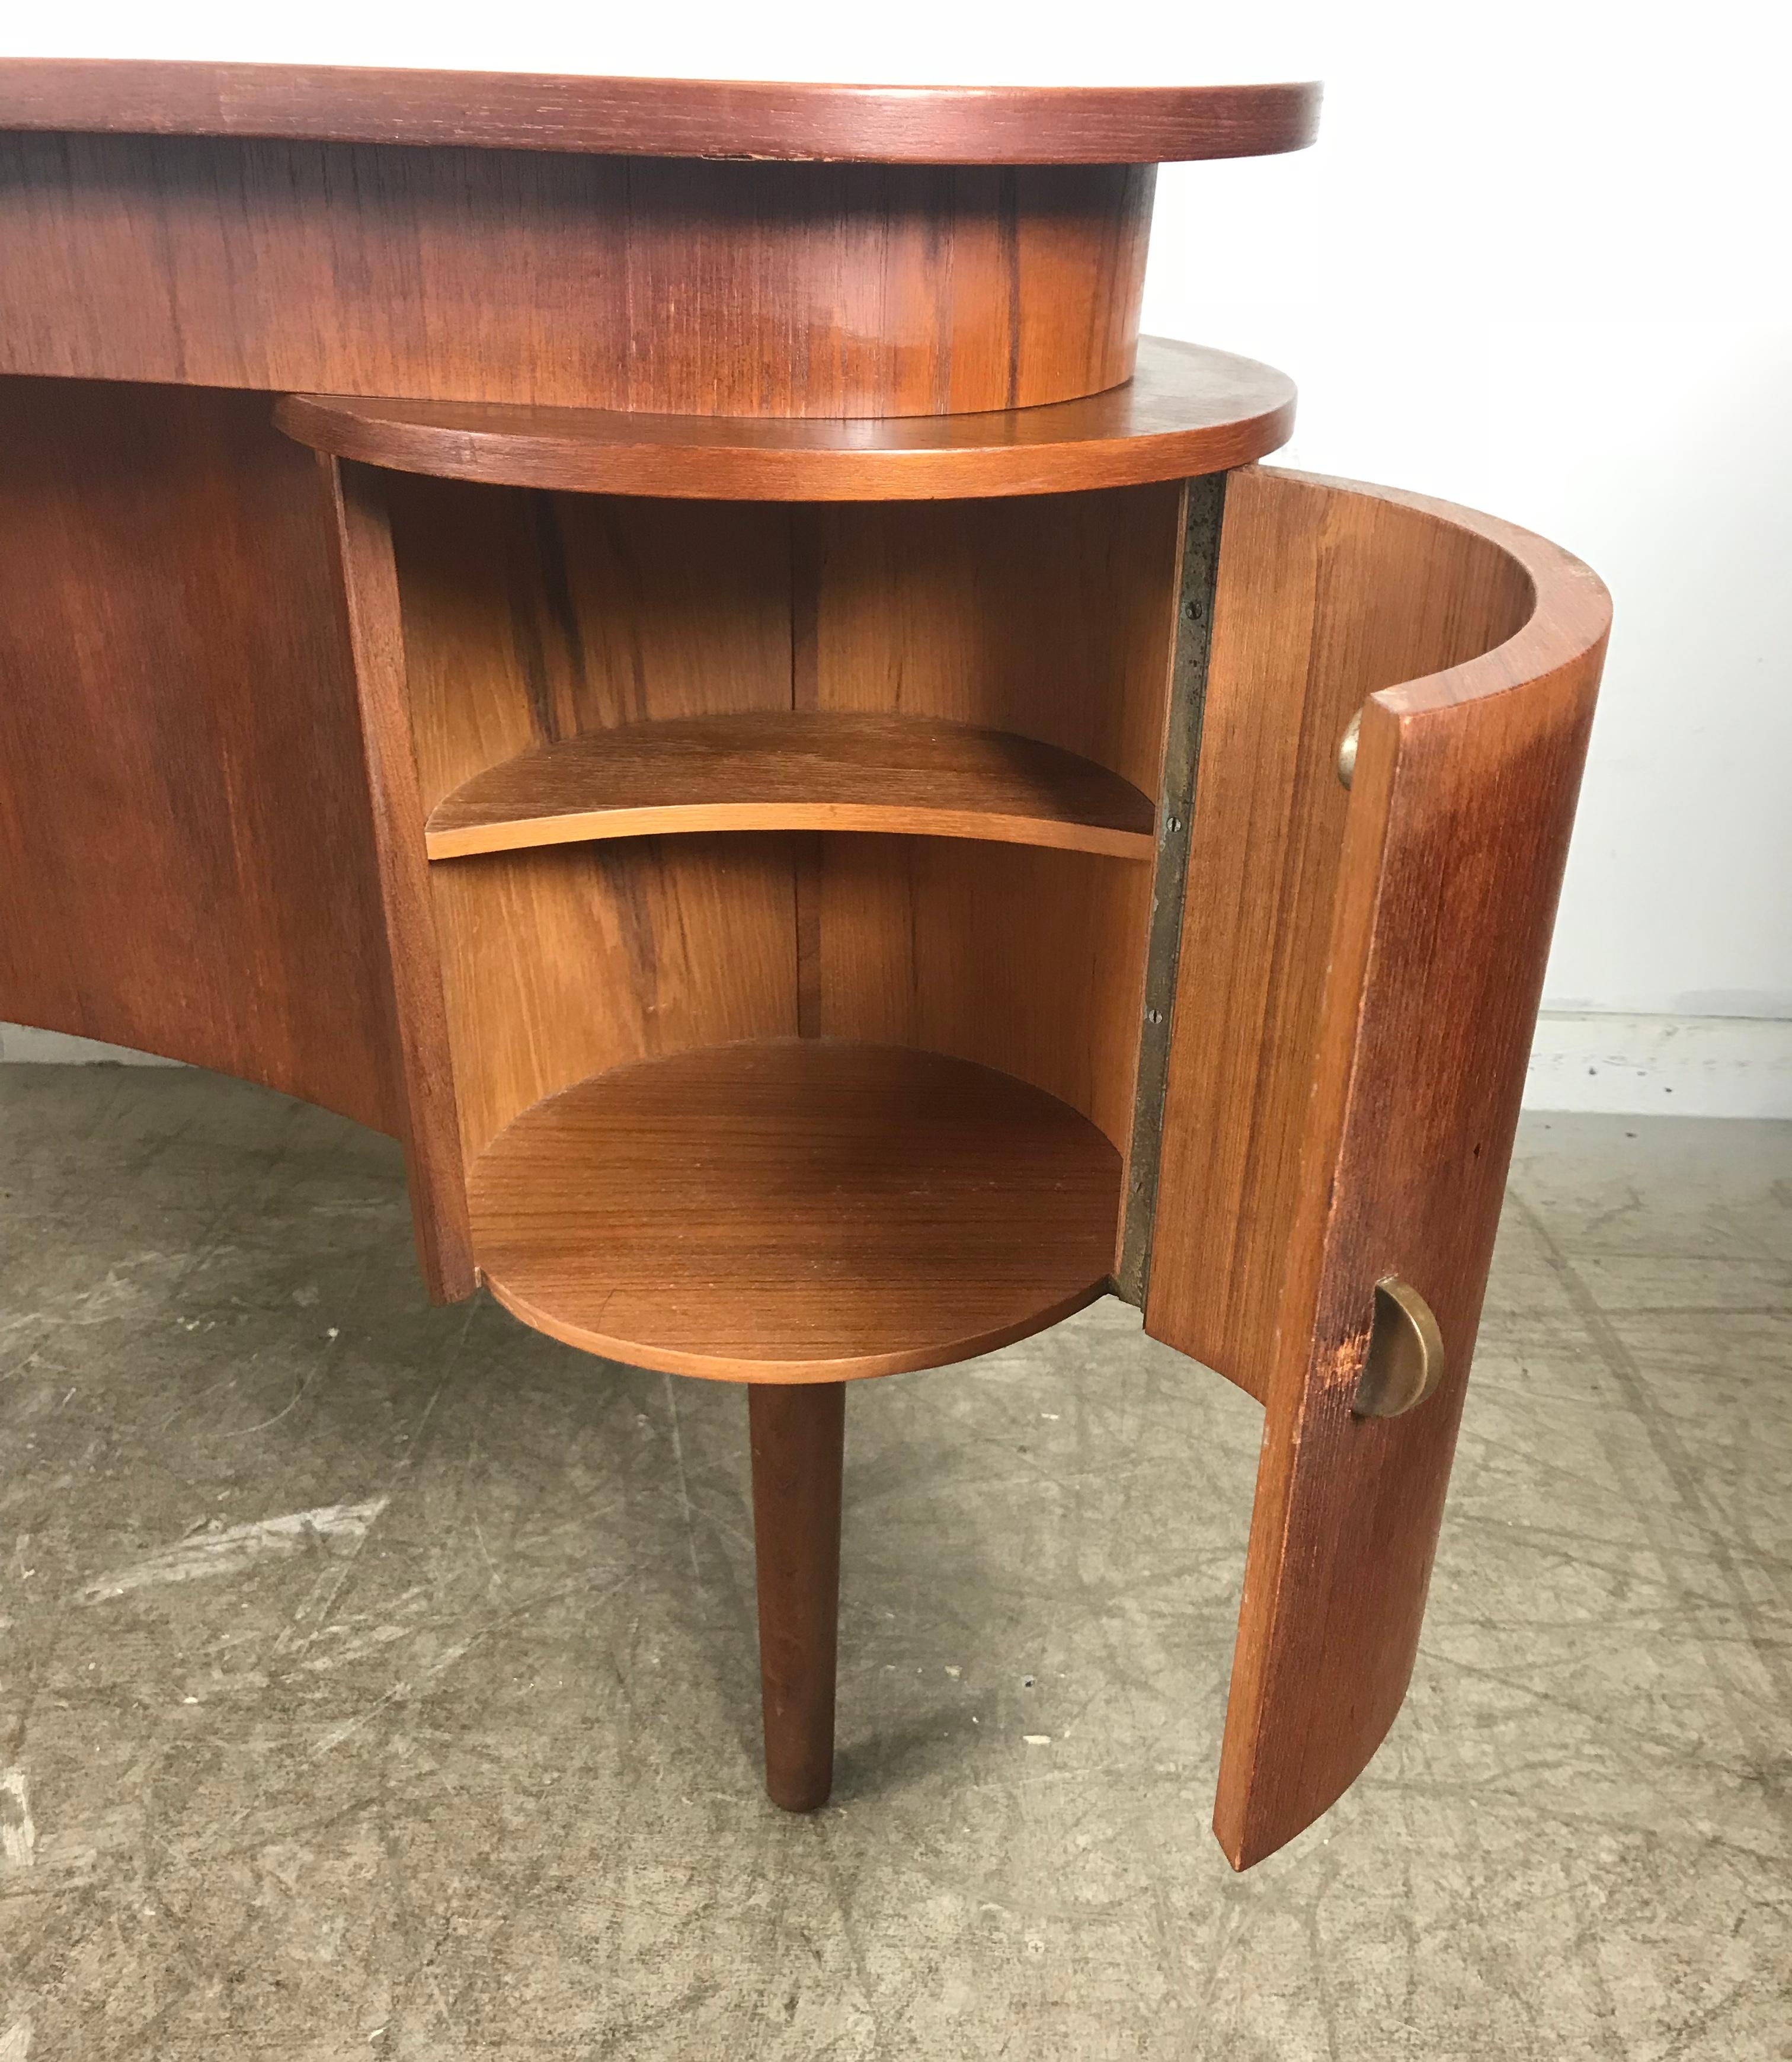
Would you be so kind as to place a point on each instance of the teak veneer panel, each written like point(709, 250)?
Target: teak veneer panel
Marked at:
point(567, 961)
point(369, 617)
point(1442, 898)
point(532, 619)
point(550, 625)
point(609, 283)
point(797, 1210)
point(572, 960)
point(185, 839)
point(734, 119)
point(1027, 960)
point(1321, 600)
point(1185, 411)
point(795, 770)
point(1049, 616)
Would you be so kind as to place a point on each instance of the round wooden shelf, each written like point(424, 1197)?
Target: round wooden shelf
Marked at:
point(812, 770)
point(1187, 410)
point(660, 117)
point(796, 1210)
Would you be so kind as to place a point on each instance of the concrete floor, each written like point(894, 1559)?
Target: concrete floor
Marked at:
point(380, 1680)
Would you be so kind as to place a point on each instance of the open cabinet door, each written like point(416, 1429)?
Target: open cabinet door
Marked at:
point(1359, 978)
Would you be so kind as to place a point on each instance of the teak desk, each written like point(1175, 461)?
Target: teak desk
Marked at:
point(667, 644)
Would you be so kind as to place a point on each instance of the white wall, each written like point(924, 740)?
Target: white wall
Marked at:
point(1537, 263)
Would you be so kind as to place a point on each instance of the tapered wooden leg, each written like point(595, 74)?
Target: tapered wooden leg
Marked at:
point(798, 1433)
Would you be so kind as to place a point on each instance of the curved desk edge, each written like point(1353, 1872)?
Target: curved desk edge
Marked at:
point(660, 117)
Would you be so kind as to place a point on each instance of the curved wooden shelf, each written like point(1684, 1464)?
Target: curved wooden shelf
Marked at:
point(1187, 410)
point(823, 770)
point(796, 1210)
point(659, 117)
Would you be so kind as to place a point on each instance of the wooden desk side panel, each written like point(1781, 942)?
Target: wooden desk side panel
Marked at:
point(371, 622)
point(1322, 599)
point(185, 840)
point(659, 284)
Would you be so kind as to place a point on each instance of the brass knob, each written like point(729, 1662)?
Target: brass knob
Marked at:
point(1404, 1361)
point(1347, 749)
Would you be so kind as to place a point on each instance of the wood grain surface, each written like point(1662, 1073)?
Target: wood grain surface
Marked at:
point(185, 839)
point(1186, 411)
point(796, 1210)
point(532, 618)
point(818, 770)
point(532, 621)
point(353, 514)
point(1027, 960)
point(1321, 600)
point(571, 960)
point(797, 1435)
point(493, 276)
point(1050, 616)
point(948, 124)
point(1453, 844)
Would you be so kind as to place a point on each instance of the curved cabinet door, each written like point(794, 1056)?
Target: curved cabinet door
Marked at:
point(1342, 1098)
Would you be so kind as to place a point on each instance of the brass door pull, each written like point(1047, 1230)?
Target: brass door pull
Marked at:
point(1404, 1361)
point(1347, 749)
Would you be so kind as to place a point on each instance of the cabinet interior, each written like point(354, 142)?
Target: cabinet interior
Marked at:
point(995, 669)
